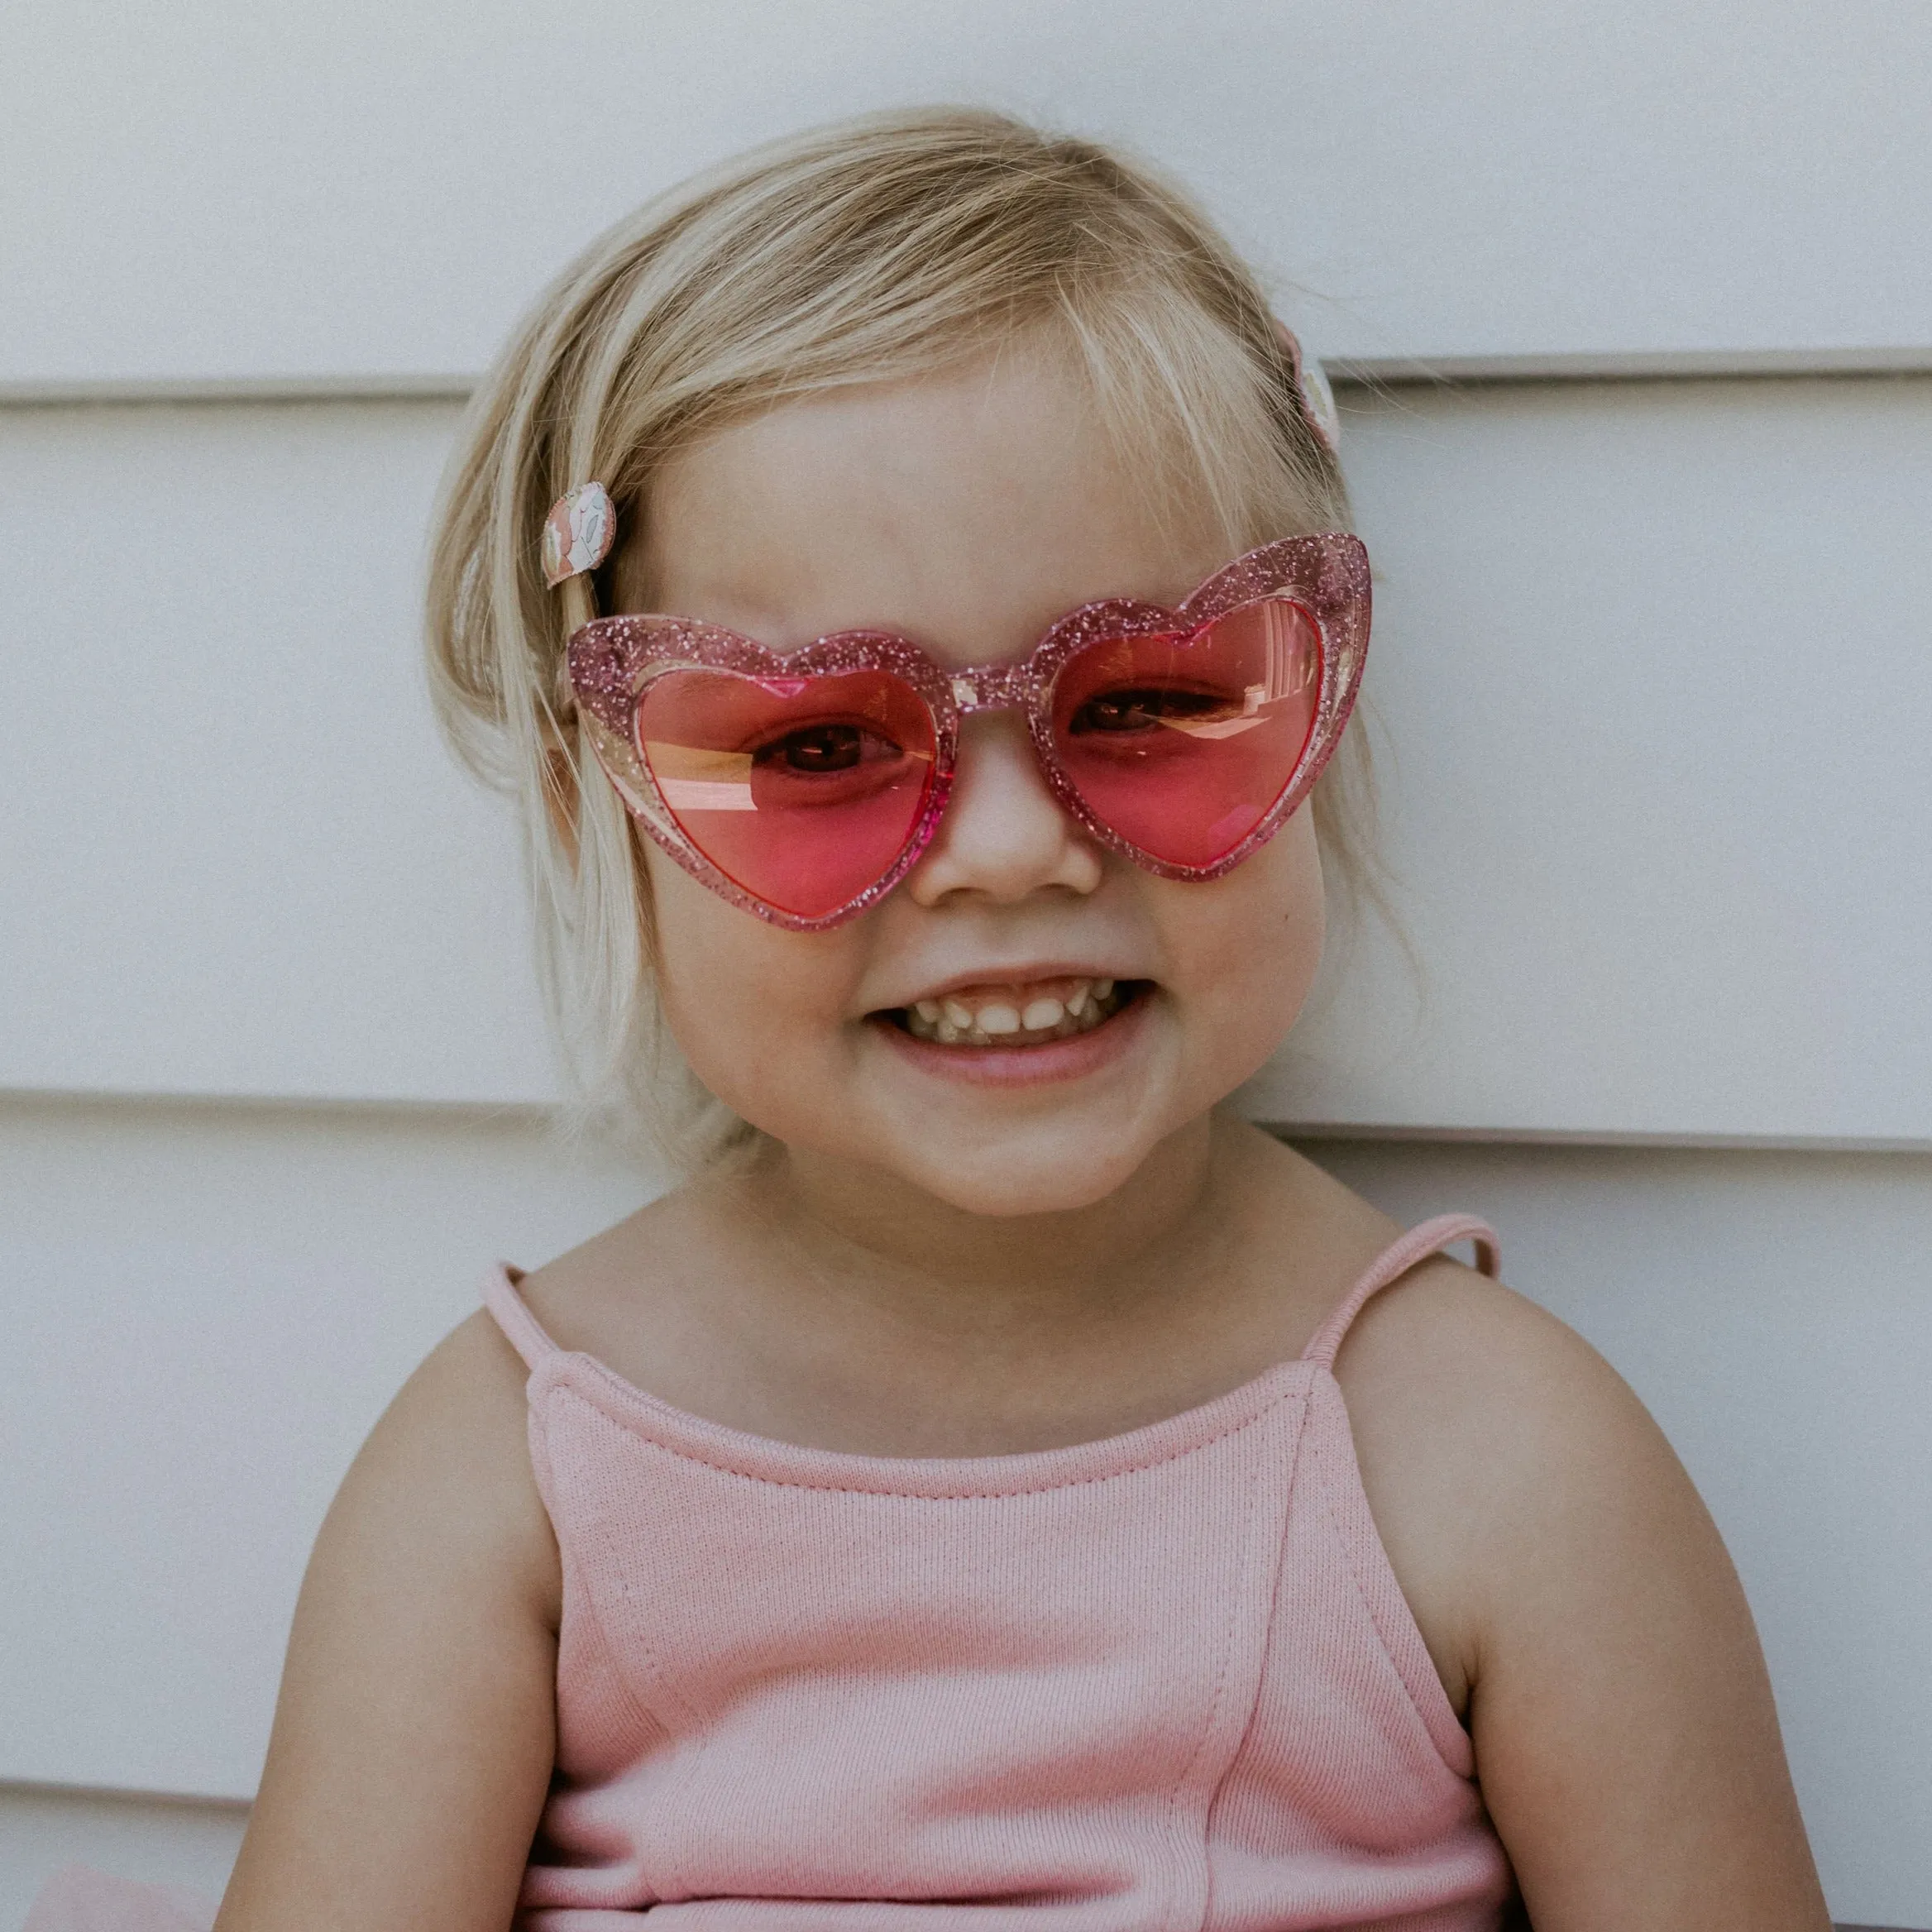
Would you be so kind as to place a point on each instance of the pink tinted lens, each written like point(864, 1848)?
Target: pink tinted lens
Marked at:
point(802, 791)
point(1182, 745)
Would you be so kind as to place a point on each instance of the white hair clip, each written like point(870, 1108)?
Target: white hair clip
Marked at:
point(1312, 385)
point(578, 533)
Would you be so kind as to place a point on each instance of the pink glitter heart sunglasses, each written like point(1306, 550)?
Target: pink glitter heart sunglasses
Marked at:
point(803, 785)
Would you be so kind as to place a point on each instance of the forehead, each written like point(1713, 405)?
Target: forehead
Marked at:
point(966, 510)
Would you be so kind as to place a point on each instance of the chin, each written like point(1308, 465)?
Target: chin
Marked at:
point(1022, 1175)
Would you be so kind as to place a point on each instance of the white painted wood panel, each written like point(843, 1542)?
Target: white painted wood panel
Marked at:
point(153, 1841)
point(1651, 660)
point(211, 190)
point(238, 859)
point(206, 1310)
point(1655, 665)
point(206, 1306)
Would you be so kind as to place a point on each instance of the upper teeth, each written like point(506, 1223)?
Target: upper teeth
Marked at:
point(967, 1019)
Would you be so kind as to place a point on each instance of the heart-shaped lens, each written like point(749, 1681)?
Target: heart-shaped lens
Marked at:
point(1182, 745)
point(803, 790)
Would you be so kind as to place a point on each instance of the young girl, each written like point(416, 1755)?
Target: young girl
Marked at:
point(904, 576)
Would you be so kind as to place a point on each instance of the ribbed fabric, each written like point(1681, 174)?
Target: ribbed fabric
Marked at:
point(1164, 1681)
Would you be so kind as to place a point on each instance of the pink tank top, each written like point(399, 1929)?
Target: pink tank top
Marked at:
point(1167, 1680)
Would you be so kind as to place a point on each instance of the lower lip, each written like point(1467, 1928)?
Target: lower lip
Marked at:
point(1071, 1059)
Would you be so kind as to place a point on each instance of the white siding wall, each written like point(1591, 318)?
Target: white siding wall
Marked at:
point(1652, 659)
point(1652, 662)
point(209, 190)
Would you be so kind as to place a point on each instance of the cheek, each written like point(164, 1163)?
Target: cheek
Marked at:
point(1300, 907)
point(755, 1009)
point(1250, 947)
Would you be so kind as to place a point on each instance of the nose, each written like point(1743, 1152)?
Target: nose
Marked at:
point(1003, 835)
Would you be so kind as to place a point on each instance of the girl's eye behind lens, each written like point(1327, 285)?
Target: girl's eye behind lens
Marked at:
point(801, 790)
point(827, 749)
point(1182, 746)
point(1142, 709)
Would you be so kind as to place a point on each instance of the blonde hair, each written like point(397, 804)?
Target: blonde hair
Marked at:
point(878, 249)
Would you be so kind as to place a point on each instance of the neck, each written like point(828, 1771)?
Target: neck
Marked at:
point(862, 1236)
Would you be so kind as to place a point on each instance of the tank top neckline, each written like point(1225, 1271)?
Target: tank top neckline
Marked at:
point(771, 1460)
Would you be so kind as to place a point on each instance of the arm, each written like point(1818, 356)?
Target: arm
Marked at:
point(414, 1733)
point(1572, 1585)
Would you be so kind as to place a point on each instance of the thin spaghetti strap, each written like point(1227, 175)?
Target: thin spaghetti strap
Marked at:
point(1393, 1263)
point(523, 1331)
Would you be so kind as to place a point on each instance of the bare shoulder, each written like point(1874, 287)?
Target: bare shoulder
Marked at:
point(414, 1732)
point(447, 1466)
point(595, 1297)
point(1481, 1422)
point(1582, 1611)
point(1496, 1384)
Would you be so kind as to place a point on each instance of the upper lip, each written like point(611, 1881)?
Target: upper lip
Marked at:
point(1029, 973)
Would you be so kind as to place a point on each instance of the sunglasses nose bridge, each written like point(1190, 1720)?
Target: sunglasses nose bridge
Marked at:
point(991, 688)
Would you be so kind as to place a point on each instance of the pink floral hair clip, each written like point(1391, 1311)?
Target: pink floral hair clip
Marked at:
point(578, 533)
point(1311, 383)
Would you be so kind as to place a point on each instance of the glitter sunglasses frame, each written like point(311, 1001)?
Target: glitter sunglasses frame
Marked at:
point(613, 662)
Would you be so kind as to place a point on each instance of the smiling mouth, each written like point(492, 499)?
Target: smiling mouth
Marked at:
point(1010, 1016)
